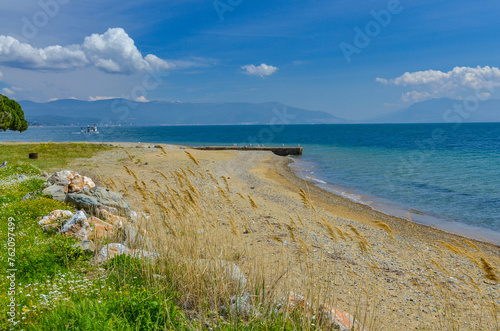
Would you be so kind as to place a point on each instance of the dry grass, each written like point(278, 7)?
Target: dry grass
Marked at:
point(200, 226)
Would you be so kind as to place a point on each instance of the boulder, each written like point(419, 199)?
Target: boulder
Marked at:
point(62, 178)
point(115, 220)
point(86, 246)
point(109, 198)
point(77, 226)
point(100, 229)
point(99, 198)
point(56, 192)
point(78, 183)
point(83, 201)
point(111, 250)
point(56, 216)
point(336, 319)
point(71, 181)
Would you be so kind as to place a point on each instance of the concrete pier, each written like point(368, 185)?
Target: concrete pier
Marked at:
point(282, 151)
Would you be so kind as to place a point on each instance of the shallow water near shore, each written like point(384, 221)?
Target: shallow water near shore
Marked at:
point(447, 176)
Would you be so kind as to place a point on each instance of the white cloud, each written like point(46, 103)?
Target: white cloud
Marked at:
point(263, 70)
point(98, 98)
point(415, 96)
point(435, 84)
point(7, 91)
point(115, 52)
point(16, 54)
point(111, 52)
point(141, 99)
point(1, 75)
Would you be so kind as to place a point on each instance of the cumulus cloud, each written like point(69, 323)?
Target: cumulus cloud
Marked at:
point(262, 71)
point(434, 83)
point(16, 54)
point(7, 91)
point(112, 52)
point(115, 52)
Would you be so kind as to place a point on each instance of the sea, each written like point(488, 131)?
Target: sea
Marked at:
point(442, 175)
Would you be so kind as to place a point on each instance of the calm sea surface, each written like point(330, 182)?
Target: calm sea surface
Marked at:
point(443, 175)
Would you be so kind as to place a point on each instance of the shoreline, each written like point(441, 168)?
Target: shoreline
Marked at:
point(459, 229)
point(350, 208)
point(324, 195)
point(331, 197)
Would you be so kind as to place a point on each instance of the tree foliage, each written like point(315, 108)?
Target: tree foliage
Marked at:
point(11, 115)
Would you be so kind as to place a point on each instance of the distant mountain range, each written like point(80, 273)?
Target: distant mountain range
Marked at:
point(126, 112)
point(444, 111)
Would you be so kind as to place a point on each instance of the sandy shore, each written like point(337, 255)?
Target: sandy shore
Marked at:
point(409, 277)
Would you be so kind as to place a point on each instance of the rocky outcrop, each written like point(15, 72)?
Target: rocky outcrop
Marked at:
point(56, 192)
point(71, 181)
point(108, 198)
point(115, 220)
point(100, 229)
point(77, 226)
point(79, 183)
point(112, 217)
point(55, 220)
point(99, 198)
point(111, 250)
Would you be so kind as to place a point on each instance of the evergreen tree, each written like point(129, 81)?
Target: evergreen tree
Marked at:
point(11, 115)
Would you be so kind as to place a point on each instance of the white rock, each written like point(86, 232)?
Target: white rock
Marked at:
point(111, 250)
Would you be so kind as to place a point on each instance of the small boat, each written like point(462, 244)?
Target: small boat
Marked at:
point(90, 129)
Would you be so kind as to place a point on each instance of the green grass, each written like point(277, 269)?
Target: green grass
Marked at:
point(53, 291)
point(51, 156)
point(58, 288)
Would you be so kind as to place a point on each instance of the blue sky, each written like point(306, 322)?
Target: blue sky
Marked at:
point(286, 51)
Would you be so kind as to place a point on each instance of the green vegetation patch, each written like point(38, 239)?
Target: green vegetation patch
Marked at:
point(51, 156)
point(55, 283)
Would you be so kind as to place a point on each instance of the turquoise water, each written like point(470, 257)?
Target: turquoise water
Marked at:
point(445, 175)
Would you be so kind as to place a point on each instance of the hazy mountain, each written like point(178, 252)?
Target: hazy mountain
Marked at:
point(121, 111)
point(443, 111)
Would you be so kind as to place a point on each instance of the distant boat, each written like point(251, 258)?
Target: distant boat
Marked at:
point(90, 129)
